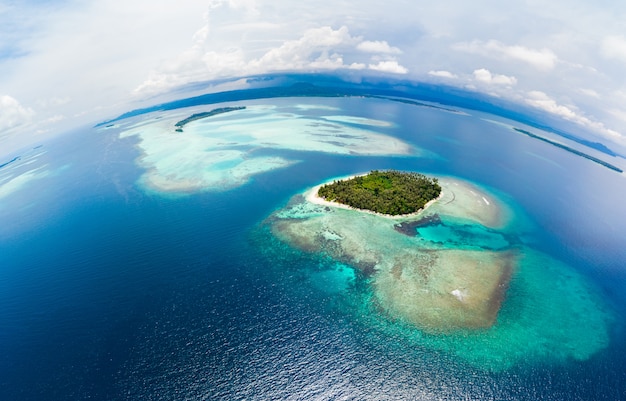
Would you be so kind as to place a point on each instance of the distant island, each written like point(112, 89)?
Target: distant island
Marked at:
point(387, 192)
point(16, 158)
point(571, 150)
point(198, 116)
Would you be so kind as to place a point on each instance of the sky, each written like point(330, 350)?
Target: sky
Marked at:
point(65, 63)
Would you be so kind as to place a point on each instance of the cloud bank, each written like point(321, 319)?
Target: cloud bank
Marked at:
point(74, 62)
point(541, 59)
point(318, 49)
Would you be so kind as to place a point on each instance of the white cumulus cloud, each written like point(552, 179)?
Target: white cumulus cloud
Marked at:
point(321, 48)
point(484, 75)
point(12, 113)
point(297, 54)
point(391, 66)
point(357, 66)
point(546, 103)
point(543, 59)
point(542, 101)
point(377, 46)
point(442, 74)
point(317, 48)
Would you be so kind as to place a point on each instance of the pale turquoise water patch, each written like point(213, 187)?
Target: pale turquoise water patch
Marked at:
point(338, 279)
point(545, 159)
point(11, 184)
point(359, 120)
point(464, 236)
point(14, 176)
point(306, 107)
point(298, 209)
point(280, 128)
point(500, 123)
point(217, 153)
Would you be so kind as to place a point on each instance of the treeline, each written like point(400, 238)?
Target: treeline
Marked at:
point(572, 150)
point(388, 192)
point(179, 125)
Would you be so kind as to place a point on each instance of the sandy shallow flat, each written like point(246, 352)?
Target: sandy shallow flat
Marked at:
point(203, 158)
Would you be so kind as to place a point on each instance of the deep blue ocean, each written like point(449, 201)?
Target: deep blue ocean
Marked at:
point(109, 291)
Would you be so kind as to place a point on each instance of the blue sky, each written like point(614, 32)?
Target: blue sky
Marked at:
point(65, 63)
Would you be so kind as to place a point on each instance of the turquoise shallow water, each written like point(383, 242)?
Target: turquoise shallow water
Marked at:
point(550, 314)
point(471, 236)
point(109, 291)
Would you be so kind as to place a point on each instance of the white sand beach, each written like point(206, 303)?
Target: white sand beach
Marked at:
point(312, 196)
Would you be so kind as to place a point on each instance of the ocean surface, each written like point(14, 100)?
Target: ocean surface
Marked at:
point(126, 276)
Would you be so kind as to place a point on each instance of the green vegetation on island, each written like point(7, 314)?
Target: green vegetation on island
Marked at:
point(387, 192)
point(179, 125)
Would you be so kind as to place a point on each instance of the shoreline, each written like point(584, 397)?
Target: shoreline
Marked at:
point(311, 196)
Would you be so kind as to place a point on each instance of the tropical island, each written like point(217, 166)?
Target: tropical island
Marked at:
point(572, 150)
point(458, 271)
point(386, 192)
point(198, 116)
point(444, 266)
